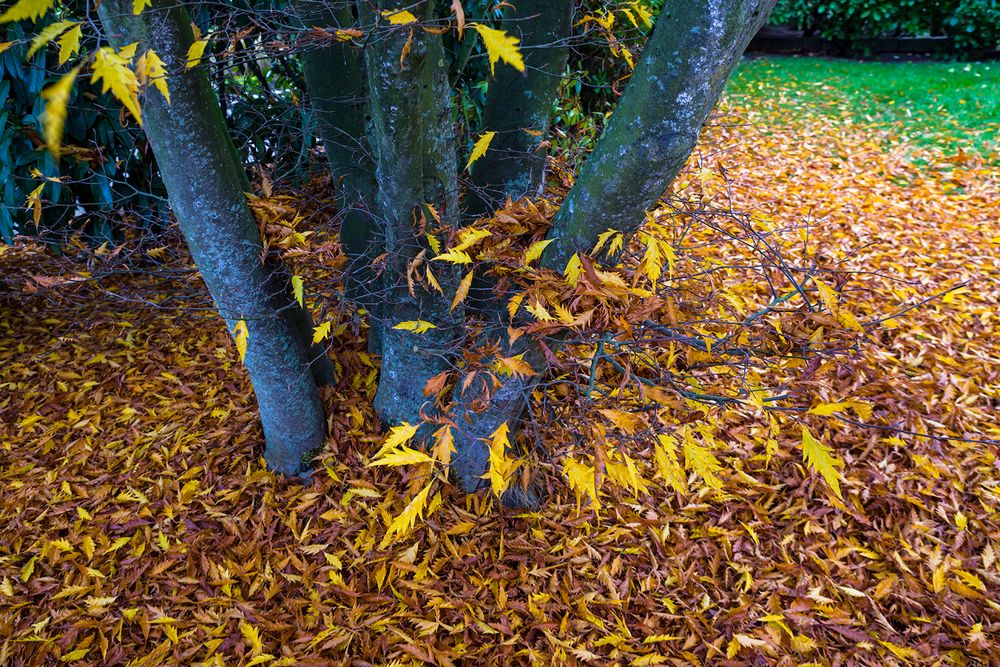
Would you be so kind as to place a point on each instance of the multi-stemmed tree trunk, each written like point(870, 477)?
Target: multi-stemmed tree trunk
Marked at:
point(397, 184)
point(206, 184)
point(674, 87)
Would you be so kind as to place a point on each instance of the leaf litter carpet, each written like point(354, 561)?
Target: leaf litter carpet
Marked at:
point(138, 526)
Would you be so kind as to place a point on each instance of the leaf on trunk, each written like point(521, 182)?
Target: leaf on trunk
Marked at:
point(536, 250)
point(149, 68)
point(298, 290)
point(241, 334)
point(479, 149)
point(416, 326)
point(401, 17)
point(500, 46)
point(27, 9)
point(112, 70)
point(444, 445)
point(501, 467)
point(574, 267)
point(820, 459)
point(56, 97)
point(195, 52)
point(514, 366)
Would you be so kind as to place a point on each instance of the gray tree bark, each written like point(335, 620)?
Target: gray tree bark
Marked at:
point(519, 106)
point(205, 185)
point(675, 85)
point(335, 78)
point(413, 142)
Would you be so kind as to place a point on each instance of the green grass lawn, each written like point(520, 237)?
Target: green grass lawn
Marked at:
point(948, 104)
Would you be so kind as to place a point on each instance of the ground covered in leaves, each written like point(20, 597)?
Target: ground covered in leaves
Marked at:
point(138, 525)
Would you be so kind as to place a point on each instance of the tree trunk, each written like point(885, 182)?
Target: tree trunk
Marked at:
point(677, 82)
point(205, 186)
point(675, 85)
point(335, 78)
point(413, 142)
point(519, 106)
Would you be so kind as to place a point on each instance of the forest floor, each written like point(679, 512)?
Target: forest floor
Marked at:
point(138, 524)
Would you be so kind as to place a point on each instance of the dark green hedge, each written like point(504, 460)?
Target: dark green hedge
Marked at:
point(974, 24)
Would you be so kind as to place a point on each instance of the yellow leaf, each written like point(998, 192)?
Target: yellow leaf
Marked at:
point(56, 97)
point(28, 568)
point(298, 289)
point(652, 261)
point(615, 237)
point(500, 46)
point(626, 421)
point(901, 652)
point(34, 201)
point(47, 34)
point(827, 409)
point(536, 250)
point(514, 366)
point(582, 479)
point(69, 44)
point(820, 458)
point(573, 270)
point(416, 326)
point(971, 580)
point(401, 17)
point(78, 654)
point(252, 634)
point(444, 445)
point(670, 469)
point(112, 69)
point(480, 148)
point(462, 291)
point(827, 296)
point(139, 5)
point(87, 546)
point(321, 332)
point(241, 334)
point(501, 467)
point(150, 69)
point(403, 523)
point(403, 456)
point(27, 9)
point(961, 521)
point(469, 237)
point(398, 435)
point(195, 52)
point(455, 257)
point(702, 461)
